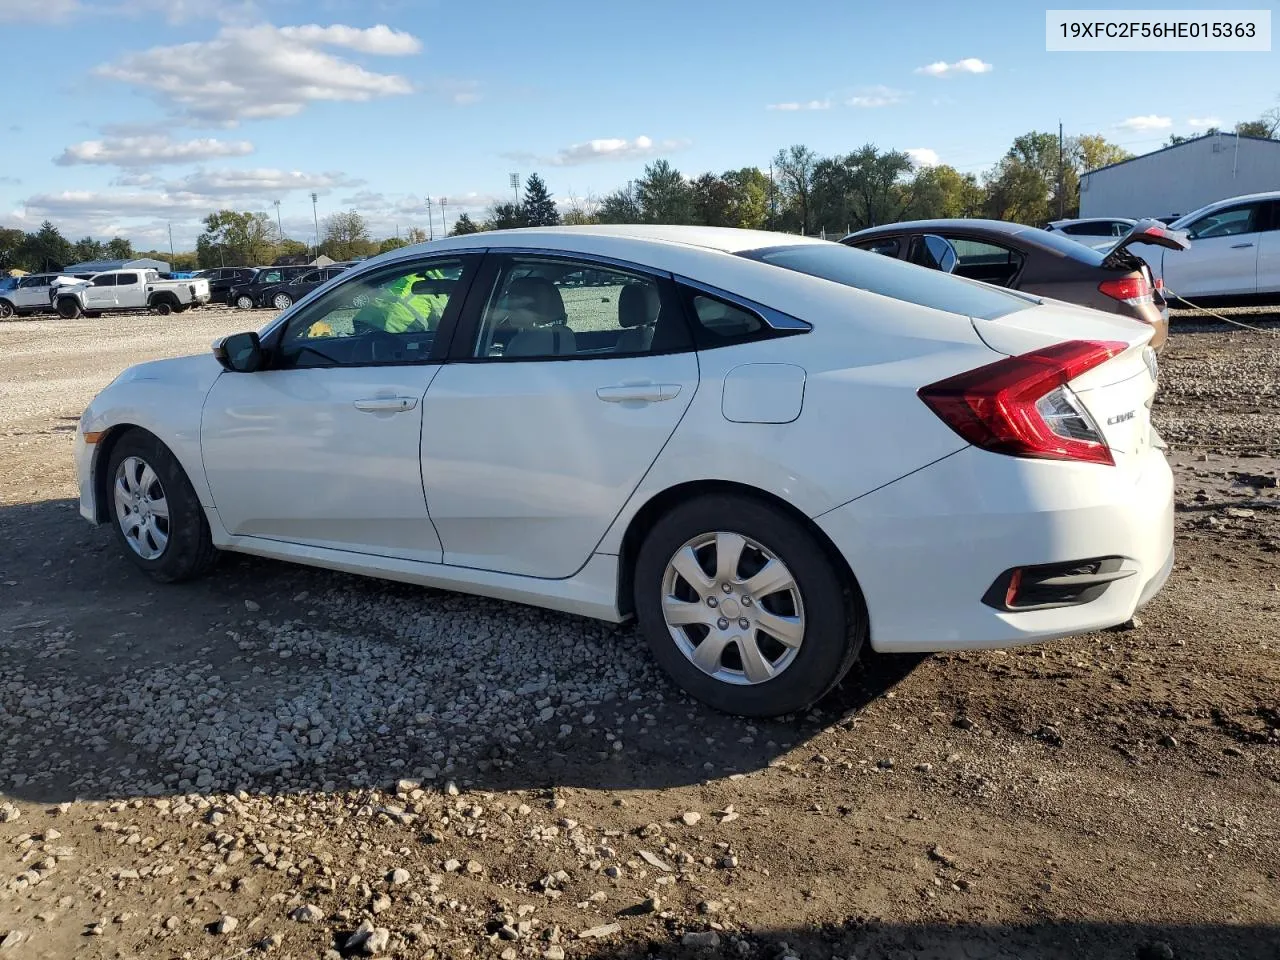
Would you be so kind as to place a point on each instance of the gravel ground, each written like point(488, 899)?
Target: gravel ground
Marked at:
point(285, 761)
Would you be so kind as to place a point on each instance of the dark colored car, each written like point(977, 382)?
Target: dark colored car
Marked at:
point(1039, 262)
point(222, 279)
point(282, 296)
point(248, 295)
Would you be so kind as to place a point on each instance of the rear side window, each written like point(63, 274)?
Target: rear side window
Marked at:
point(887, 246)
point(104, 280)
point(724, 321)
point(895, 279)
point(124, 279)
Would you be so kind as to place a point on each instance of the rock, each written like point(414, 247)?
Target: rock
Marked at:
point(9, 813)
point(508, 932)
point(381, 904)
point(307, 913)
point(368, 939)
point(554, 952)
point(706, 940)
point(225, 924)
point(924, 768)
point(963, 722)
point(597, 933)
point(1156, 950)
point(691, 818)
point(1233, 751)
point(171, 923)
point(474, 866)
point(710, 907)
point(1168, 741)
point(52, 834)
point(941, 856)
point(398, 877)
point(729, 862)
point(885, 764)
point(451, 789)
point(655, 861)
point(251, 606)
point(9, 942)
point(267, 944)
point(1049, 734)
point(452, 866)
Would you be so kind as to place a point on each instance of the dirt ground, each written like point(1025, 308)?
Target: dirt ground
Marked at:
point(173, 782)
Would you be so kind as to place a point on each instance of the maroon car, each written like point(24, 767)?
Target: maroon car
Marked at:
point(1038, 262)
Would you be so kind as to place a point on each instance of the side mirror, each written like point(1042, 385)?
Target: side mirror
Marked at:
point(941, 252)
point(239, 352)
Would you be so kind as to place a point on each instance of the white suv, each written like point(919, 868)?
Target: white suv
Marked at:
point(31, 295)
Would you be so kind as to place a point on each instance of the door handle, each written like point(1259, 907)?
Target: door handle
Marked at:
point(1240, 246)
point(642, 392)
point(386, 404)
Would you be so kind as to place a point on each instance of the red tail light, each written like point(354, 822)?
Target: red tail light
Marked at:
point(1132, 290)
point(1021, 406)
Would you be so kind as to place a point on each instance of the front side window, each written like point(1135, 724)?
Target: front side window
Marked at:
point(552, 308)
point(984, 260)
point(388, 316)
point(1225, 223)
point(35, 282)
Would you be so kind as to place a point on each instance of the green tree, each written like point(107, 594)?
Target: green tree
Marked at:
point(236, 238)
point(581, 211)
point(10, 244)
point(664, 195)
point(346, 236)
point(416, 235)
point(538, 208)
point(391, 243)
point(292, 248)
point(749, 192)
point(505, 216)
point(621, 206)
point(46, 249)
point(463, 226)
point(794, 169)
point(118, 248)
point(1023, 186)
point(712, 201)
point(942, 191)
point(1265, 126)
point(82, 251)
point(1091, 151)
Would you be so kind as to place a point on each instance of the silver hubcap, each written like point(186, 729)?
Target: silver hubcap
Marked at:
point(283, 303)
point(733, 608)
point(244, 303)
point(141, 508)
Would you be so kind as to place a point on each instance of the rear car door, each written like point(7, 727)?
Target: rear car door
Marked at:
point(566, 379)
point(1223, 259)
point(1269, 251)
point(130, 291)
point(322, 448)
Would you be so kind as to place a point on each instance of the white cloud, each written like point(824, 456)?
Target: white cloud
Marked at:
point(943, 69)
point(256, 183)
point(805, 105)
point(1150, 121)
point(879, 96)
point(251, 73)
point(1203, 123)
point(37, 11)
point(923, 156)
point(615, 148)
point(146, 151)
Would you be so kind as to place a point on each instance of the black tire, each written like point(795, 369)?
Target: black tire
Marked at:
point(6, 310)
point(189, 551)
point(162, 307)
point(69, 308)
point(835, 619)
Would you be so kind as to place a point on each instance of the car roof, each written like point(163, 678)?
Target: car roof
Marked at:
point(724, 239)
point(972, 224)
point(1229, 202)
point(1070, 220)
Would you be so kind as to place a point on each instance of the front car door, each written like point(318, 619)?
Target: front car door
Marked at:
point(32, 293)
point(566, 378)
point(322, 448)
point(1223, 259)
point(100, 294)
point(1269, 250)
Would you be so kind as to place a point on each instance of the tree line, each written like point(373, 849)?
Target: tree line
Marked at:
point(1037, 180)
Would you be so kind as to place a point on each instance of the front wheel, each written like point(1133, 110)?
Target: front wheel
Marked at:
point(745, 608)
point(157, 516)
point(69, 308)
point(6, 310)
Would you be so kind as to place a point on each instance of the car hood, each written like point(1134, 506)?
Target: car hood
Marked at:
point(198, 371)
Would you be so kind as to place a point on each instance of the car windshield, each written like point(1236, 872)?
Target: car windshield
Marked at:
point(895, 278)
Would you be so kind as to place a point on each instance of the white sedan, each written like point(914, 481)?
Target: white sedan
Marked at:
point(770, 450)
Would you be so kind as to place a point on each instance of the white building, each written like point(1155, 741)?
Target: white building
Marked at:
point(1179, 179)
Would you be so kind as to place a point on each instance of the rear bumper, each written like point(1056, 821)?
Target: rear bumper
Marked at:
point(926, 548)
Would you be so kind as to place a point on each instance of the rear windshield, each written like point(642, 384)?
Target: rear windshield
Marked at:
point(1062, 245)
point(877, 273)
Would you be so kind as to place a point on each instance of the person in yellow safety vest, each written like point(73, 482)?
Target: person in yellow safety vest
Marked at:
point(397, 309)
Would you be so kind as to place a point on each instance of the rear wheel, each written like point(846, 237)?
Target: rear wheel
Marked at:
point(282, 301)
point(744, 607)
point(157, 516)
point(244, 302)
point(162, 307)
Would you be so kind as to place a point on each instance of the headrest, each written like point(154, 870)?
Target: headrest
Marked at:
point(543, 296)
point(638, 305)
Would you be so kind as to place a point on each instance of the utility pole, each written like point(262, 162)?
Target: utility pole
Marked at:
point(315, 198)
point(279, 226)
point(444, 217)
point(1061, 198)
point(171, 258)
point(431, 220)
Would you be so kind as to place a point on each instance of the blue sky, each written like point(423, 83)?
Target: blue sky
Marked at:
point(142, 113)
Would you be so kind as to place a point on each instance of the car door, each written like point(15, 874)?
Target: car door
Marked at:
point(565, 380)
point(100, 294)
point(130, 291)
point(322, 448)
point(1269, 250)
point(1223, 259)
point(32, 293)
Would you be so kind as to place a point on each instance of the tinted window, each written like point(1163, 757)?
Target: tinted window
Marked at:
point(390, 316)
point(1089, 229)
point(888, 246)
point(543, 308)
point(314, 277)
point(1225, 223)
point(125, 279)
point(723, 320)
point(34, 282)
point(270, 276)
point(896, 279)
point(104, 280)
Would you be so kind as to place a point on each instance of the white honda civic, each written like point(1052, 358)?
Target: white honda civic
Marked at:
point(768, 449)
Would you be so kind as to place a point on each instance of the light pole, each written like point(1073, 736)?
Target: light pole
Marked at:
point(315, 198)
point(515, 185)
point(444, 217)
point(431, 220)
point(279, 226)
